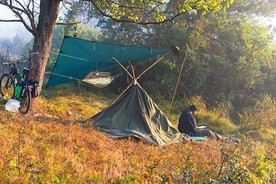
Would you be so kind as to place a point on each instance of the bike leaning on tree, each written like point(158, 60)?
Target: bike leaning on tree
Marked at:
point(18, 87)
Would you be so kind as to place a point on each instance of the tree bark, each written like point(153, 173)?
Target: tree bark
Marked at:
point(43, 36)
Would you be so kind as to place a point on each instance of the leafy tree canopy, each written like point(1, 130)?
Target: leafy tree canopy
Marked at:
point(155, 12)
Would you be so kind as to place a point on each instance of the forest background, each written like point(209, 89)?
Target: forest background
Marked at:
point(229, 71)
point(230, 60)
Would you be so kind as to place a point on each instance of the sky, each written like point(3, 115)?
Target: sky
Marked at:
point(9, 30)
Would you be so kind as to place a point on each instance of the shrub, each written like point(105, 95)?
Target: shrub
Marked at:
point(260, 119)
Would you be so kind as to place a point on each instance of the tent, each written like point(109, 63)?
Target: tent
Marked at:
point(134, 114)
point(78, 57)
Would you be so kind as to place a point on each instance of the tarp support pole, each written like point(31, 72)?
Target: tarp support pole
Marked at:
point(154, 64)
point(180, 72)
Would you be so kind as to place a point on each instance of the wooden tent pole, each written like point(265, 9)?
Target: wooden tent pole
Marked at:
point(132, 68)
point(180, 72)
point(128, 85)
point(123, 68)
point(154, 64)
point(119, 95)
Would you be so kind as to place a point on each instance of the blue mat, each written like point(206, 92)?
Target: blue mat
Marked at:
point(198, 138)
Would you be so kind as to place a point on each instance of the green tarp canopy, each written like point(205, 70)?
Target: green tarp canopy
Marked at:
point(136, 115)
point(78, 57)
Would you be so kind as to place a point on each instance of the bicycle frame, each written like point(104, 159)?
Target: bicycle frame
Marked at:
point(23, 89)
point(14, 74)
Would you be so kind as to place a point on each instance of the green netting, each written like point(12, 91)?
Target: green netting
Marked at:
point(79, 57)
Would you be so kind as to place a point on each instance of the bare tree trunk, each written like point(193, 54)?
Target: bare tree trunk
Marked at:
point(43, 37)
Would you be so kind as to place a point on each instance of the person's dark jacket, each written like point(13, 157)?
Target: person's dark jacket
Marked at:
point(187, 123)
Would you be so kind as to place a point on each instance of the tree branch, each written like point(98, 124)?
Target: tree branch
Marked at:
point(133, 21)
point(68, 23)
point(21, 10)
point(9, 20)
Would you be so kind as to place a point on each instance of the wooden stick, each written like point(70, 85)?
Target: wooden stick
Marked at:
point(154, 64)
point(123, 67)
point(176, 86)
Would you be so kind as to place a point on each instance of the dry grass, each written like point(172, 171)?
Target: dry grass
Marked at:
point(50, 146)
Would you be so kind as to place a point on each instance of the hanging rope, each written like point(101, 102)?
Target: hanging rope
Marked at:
point(73, 57)
point(65, 76)
point(180, 72)
point(132, 68)
point(99, 82)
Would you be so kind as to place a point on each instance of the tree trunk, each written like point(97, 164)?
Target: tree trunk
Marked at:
point(43, 37)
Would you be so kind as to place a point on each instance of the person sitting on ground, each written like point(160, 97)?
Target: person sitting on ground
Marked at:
point(187, 125)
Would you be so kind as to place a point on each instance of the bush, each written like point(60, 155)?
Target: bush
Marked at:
point(260, 119)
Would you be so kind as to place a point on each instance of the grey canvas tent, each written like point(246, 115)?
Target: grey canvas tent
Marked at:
point(134, 114)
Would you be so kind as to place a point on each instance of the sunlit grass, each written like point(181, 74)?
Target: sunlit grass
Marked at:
point(42, 149)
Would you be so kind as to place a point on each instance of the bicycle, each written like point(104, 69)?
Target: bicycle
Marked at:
point(8, 80)
point(14, 86)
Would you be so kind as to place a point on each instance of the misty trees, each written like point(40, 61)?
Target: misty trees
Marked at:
point(230, 54)
point(12, 47)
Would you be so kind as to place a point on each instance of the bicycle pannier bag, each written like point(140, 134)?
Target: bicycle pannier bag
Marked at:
point(18, 91)
point(34, 91)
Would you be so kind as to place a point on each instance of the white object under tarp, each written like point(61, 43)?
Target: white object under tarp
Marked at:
point(99, 82)
point(12, 105)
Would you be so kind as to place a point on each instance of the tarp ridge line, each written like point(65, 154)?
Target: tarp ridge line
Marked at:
point(65, 76)
point(102, 42)
point(66, 55)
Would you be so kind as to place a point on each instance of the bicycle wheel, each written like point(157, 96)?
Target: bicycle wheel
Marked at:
point(25, 101)
point(6, 86)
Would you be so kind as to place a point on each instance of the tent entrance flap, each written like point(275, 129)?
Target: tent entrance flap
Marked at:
point(78, 57)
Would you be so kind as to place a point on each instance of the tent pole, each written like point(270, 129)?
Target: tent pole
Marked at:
point(180, 72)
point(132, 68)
point(123, 67)
point(120, 95)
point(154, 64)
point(128, 85)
